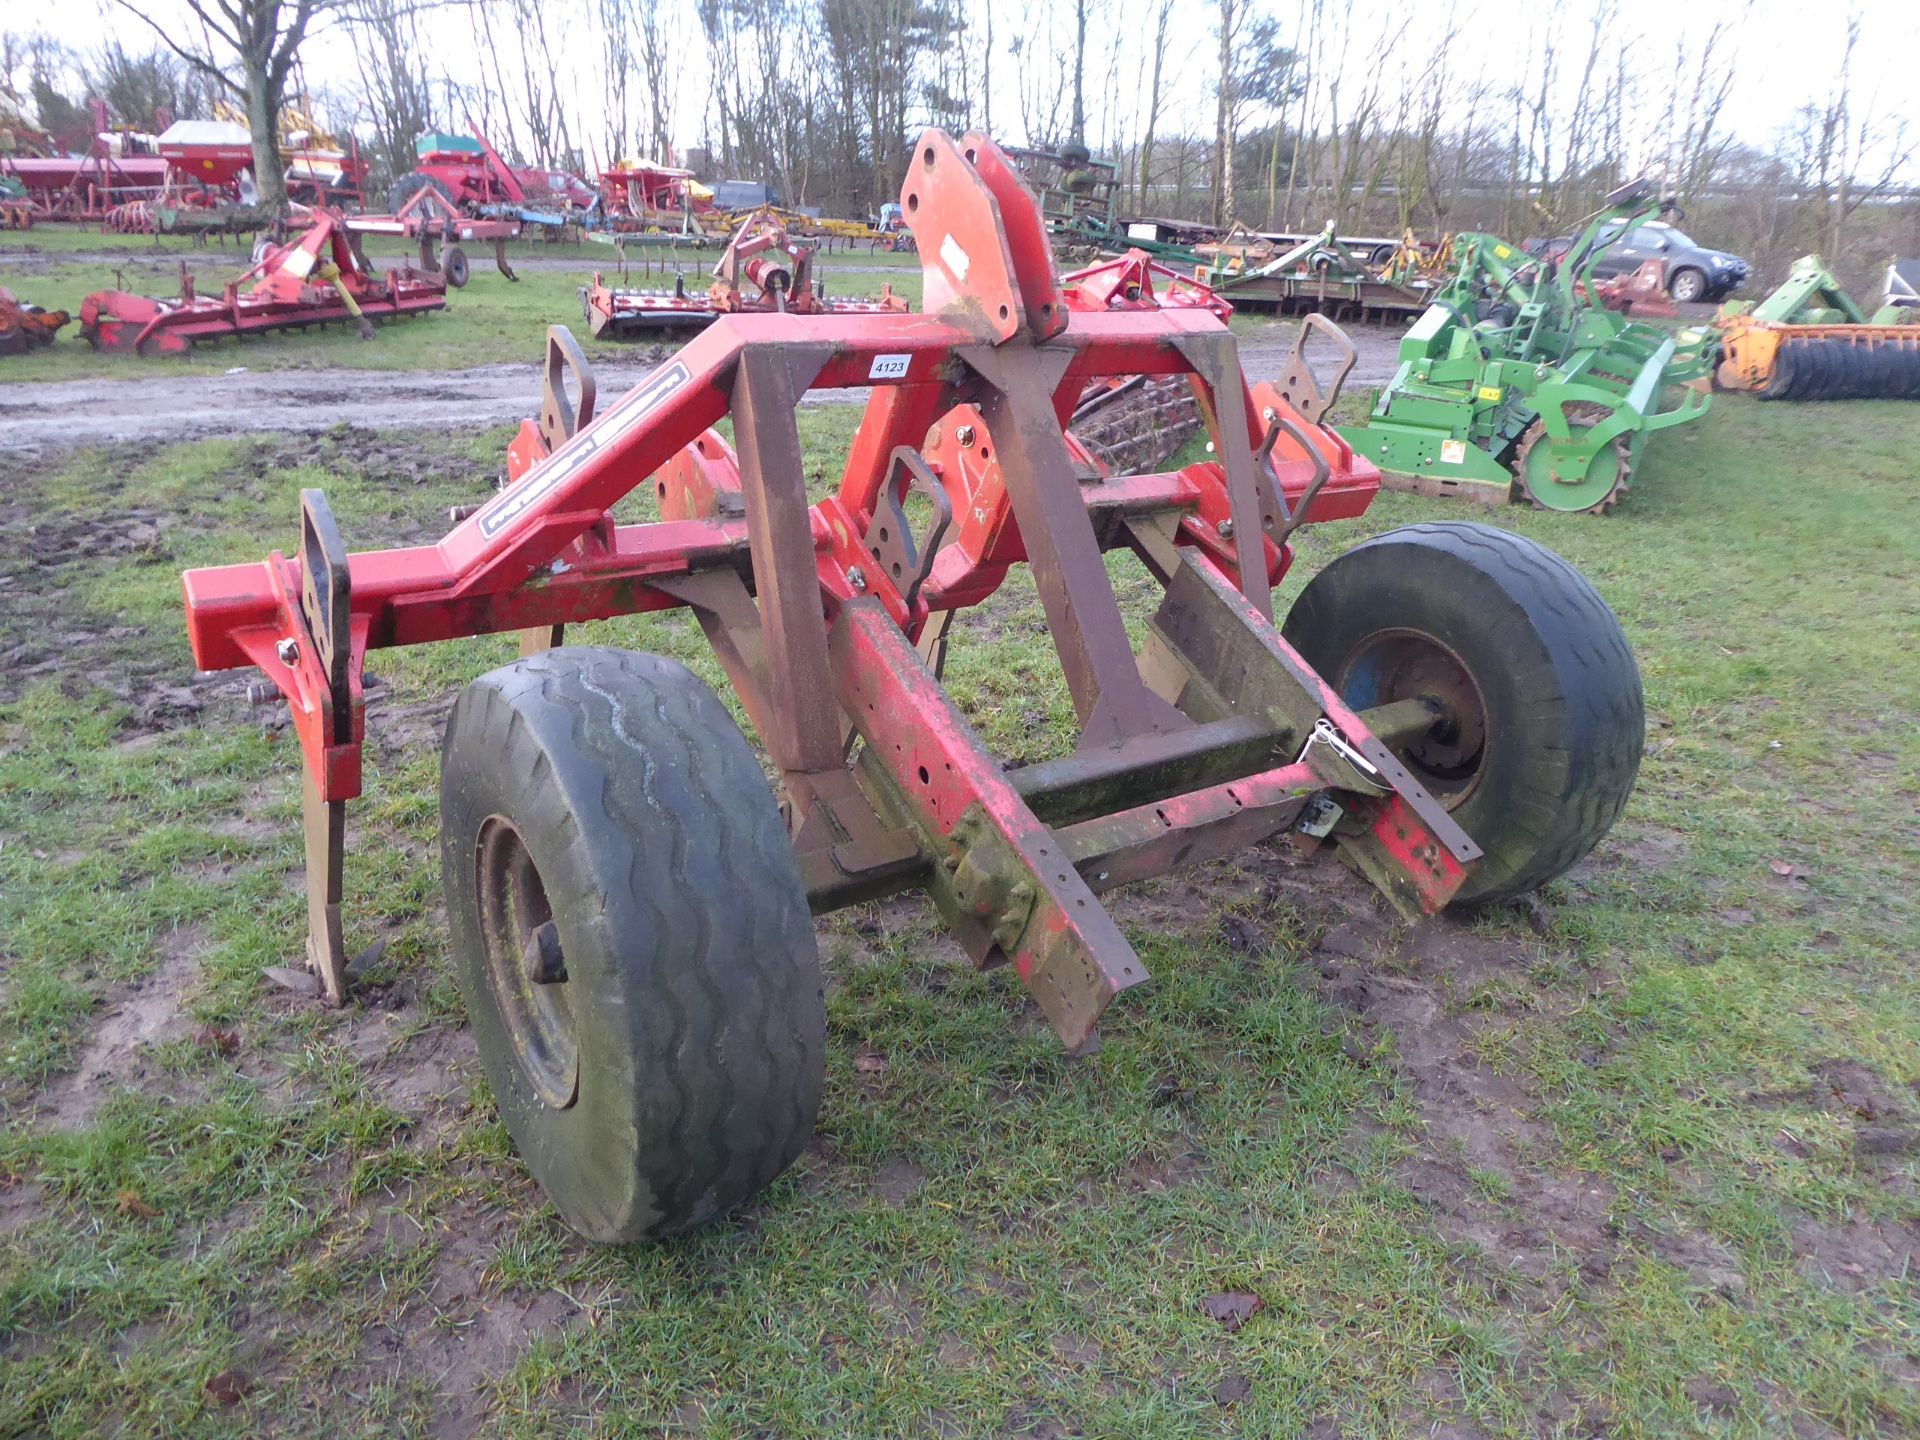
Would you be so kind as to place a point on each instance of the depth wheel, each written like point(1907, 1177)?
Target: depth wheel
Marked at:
point(1538, 713)
point(632, 939)
point(1597, 491)
point(453, 267)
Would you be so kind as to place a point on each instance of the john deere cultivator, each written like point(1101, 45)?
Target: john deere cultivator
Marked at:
point(317, 279)
point(1511, 377)
point(629, 900)
point(1810, 341)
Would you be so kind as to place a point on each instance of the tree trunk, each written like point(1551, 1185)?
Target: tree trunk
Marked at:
point(1153, 98)
point(263, 121)
point(1222, 140)
point(1079, 72)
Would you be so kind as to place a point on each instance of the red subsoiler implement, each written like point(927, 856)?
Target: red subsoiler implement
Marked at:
point(316, 279)
point(762, 269)
point(429, 219)
point(1450, 706)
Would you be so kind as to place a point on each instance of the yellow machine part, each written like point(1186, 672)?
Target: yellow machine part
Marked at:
point(1826, 362)
point(1747, 351)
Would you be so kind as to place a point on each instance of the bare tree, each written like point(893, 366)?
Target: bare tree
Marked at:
point(616, 27)
point(146, 91)
point(656, 40)
point(262, 38)
point(1078, 134)
point(1232, 16)
point(395, 91)
point(1162, 17)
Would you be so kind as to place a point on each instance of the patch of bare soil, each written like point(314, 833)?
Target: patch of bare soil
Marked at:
point(1882, 1123)
point(1489, 1172)
point(462, 1336)
point(133, 1019)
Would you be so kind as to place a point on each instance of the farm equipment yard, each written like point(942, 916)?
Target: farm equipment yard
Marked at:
point(1635, 1155)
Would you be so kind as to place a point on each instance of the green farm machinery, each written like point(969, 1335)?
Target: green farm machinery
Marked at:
point(1513, 378)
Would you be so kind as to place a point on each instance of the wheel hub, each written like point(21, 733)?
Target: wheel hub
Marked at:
point(1397, 665)
point(525, 964)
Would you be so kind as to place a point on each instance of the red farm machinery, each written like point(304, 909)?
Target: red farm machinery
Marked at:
point(639, 197)
point(475, 179)
point(1449, 707)
point(25, 326)
point(318, 278)
point(442, 232)
point(763, 269)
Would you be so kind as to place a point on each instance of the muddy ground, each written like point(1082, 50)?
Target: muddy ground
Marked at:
point(168, 406)
point(1424, 1008)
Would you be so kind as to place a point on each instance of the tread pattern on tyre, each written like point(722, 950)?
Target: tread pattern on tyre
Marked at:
point(693, 888)
point(1582, 708)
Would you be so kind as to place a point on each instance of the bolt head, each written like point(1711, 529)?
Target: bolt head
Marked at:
point(1225, 529)
point(857, 578)
point(542, 957)
point(288, 650)
point(964, 434)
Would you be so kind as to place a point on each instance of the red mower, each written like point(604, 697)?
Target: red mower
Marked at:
point(1449, 707)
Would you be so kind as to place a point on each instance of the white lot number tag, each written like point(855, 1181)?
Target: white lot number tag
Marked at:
point(1453, 452)
point(889, 367)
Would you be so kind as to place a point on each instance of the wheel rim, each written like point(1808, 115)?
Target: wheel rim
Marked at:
point(539, 1016)
point(1605, 472)
point(1395, 665)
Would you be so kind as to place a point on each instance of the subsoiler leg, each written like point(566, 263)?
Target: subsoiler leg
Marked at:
point(325, 823)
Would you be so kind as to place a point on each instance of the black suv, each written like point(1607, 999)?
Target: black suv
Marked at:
point(1693, 272)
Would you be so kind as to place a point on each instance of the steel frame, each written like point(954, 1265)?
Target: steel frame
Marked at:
point(430, 220)
point(831, 619)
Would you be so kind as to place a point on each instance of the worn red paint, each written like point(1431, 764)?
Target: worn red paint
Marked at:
point(546, 552)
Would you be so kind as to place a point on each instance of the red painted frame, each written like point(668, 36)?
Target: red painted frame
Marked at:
point(973, 397)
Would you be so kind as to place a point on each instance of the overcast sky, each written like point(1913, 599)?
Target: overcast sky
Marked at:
point(1789, 51)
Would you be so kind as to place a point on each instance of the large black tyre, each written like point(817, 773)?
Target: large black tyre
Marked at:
point(406, 186)
point(602, 817)
point(1544, 718)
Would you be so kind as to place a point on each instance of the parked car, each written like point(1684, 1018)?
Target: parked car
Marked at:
point(1693, 271)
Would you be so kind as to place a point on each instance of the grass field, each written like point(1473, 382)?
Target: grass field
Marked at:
point(1640, 1160)
point(488, 321)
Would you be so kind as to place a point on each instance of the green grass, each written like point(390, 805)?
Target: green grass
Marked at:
point(989, 1238)
point(488, 321)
